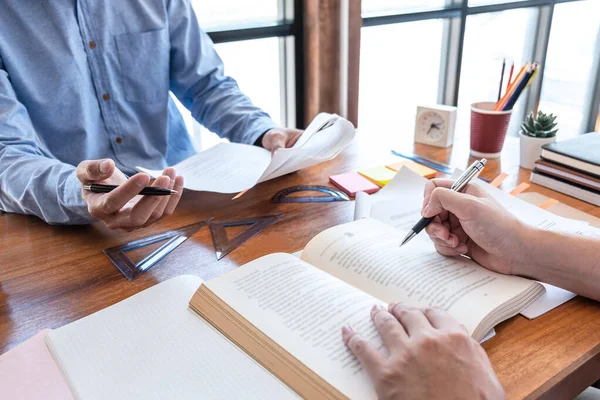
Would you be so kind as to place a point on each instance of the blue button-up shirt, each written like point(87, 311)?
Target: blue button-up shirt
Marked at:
point(90, 79)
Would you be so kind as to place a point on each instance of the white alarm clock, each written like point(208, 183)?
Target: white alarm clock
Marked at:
point(435, 125)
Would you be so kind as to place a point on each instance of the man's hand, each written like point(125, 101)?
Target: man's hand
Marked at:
point(123, 208)
point(431, 357)
point(280, 138)
point(472, 223)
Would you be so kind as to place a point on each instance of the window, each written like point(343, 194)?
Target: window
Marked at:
point(256, 41)
point(397, 75)
point(487, 42)
point(569, 76)
point(471, 40)
point(387, 7)
point(219, 14)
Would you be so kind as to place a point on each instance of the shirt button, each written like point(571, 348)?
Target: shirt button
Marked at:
point(119, 140)
point(92, 44)
point(106, 97)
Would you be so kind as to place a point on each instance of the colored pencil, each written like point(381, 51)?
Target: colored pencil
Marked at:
point(500, 105)
point(520, 87)
point(510, 74)
point(501, 78)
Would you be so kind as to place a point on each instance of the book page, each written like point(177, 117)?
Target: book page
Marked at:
point(151, 346)
point(366, 254)
point(303, 309)
point(224, 168)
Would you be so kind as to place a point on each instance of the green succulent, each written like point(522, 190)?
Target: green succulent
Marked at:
point(541, 126)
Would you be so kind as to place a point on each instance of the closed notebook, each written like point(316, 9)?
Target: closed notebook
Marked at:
point(29, 372)
point(581, 153)
point(568, 174)
point(563, 186)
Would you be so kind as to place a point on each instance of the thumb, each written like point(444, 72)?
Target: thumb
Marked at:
point(443, 199)
point(95, 170)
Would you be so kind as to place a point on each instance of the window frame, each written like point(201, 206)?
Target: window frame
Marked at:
point(289, 30)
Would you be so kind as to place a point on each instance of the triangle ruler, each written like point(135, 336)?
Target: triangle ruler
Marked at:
point(224, 245)
point(329, 194)
point(173, 239)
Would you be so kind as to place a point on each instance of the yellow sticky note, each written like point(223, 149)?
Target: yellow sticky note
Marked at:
point(420, 169)
point(380, 176)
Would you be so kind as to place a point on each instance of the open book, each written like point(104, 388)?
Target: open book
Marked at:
point(287, 312)
point(234, 167)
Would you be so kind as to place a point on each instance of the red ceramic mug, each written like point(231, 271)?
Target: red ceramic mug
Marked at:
point(488, 129)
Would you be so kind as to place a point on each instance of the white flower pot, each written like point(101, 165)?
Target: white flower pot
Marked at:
point(531, 149)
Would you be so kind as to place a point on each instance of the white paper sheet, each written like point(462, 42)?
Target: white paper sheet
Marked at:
point(233, 167)
point(553, 298)
point(151, 346)
point(398, 203)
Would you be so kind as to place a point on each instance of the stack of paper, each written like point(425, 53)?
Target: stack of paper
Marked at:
point(234, 167)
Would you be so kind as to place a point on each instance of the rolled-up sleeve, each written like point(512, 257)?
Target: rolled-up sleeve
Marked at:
point(198, 81)
point(32, 181)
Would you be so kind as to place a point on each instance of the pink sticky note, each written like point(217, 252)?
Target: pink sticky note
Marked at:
point(352, 182)
point(29, 372)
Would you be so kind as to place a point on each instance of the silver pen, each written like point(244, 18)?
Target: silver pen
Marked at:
point(457, 186)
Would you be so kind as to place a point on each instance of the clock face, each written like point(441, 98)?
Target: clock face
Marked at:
point(432, 126)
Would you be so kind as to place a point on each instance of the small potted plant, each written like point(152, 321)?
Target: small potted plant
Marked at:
point(535, 132)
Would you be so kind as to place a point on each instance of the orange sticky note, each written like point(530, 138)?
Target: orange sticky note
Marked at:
point(420, 169)
point(380, 176)
point(498, 180)
point(548, 203)
point(520, 189)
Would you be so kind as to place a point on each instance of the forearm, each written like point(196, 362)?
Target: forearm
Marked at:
point(40, 186)
point(568, 261)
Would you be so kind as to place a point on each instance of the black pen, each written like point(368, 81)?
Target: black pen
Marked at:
point(147, 191)
point(457, 186)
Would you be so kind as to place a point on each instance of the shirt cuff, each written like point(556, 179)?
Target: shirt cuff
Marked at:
point(259, 128)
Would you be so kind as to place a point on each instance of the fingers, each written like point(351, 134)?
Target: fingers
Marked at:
point(95, 170)
point(440, 319)
point(274, 140)
point(174, 199)
point(143, 209)
point(412, 319)
point(367, 355)
point(293, 136)
point(443, 199)
point(112, 202)
point(390, 330)
point(160, 208)
point(452, 251)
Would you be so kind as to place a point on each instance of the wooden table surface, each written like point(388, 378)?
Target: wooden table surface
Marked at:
point(53, 275)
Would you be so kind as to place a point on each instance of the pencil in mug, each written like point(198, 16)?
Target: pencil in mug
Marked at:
point(526, 79)
point(502, 103)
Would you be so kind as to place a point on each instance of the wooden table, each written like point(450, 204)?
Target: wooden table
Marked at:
point(53, 275)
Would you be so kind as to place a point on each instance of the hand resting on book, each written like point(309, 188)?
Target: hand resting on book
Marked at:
point(431, 357)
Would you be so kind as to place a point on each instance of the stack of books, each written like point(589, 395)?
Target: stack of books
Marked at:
point(571, 167)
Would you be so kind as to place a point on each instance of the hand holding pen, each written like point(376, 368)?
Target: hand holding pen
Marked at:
point(119, 206)
point(457, 186)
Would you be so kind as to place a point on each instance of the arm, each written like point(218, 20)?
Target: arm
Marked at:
point(471, 223)
point(568, 261)
point(198, 81)
point(31, 181)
